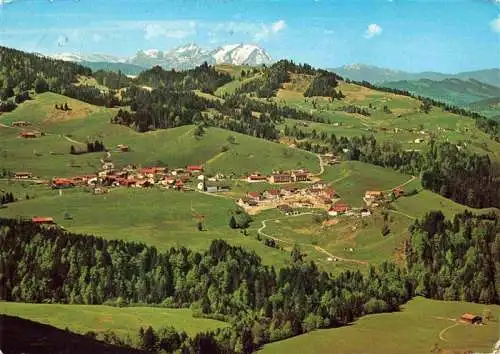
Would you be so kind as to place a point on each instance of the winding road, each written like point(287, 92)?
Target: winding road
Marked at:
point(317, 248)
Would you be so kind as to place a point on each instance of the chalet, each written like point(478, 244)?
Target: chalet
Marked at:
point(256, 196)
point(339, 208)
point(193, 169)
point(23, 175)
point(212, 187)
point(148, 172)
point(28, 135)
point(21, 123)
point(60, 183)
point(285, 209)
point(300, 176)
point(272, 194)
point(471, 319)
point(123, 148)
point(418, 141)
point(280, 178)
point(43, 220)
point(168, 181)
point(256, 178)
point(79, 180)
point(127, 182)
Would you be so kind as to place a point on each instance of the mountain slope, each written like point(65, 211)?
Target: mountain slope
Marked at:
point(374, 74)
point(470, 94)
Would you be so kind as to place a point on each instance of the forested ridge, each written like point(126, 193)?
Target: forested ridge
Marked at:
point(263, 304)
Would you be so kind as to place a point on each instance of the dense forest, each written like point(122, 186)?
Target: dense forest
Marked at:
point(457, 259)
point(324, 85)
point(40, 264)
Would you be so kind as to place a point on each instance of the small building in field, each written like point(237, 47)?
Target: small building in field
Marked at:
point(60, 183)
point(365, 213)
point(23, 175)
point(374, 195)
point(340, 208)
point(28, 135)
point(256, 178)
point(43, 220)
point(280, 178)
point(471, 318)
point(123, 148)
point(398, 192)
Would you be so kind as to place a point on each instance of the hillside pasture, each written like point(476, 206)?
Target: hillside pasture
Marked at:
point(98, 318)
point(423, 326)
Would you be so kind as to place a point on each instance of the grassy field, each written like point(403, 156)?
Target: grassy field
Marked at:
point(160, 218)
point(48, 155)
point(98, 318)
point(420, 327)
point(351, 179)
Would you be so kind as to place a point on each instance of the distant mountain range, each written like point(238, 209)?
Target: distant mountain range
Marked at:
point(377, 75)
point(184, 57)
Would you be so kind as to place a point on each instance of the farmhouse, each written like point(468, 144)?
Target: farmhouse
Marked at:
point(272, 194)
point(59, 183)
point(256, 196)
point(23, 175)
point(256, 178)
point(365, 213)
point(374, 195)
point(470, 318)
point(28, 135)
point(398, 192)
point(339, 208)
point(43, 220)
point(280, 178)
point(299, 176)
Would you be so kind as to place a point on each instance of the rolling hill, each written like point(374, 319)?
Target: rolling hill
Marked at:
point(470, 94)
point(377, 75)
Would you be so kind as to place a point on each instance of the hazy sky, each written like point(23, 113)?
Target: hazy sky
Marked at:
point(439, 35)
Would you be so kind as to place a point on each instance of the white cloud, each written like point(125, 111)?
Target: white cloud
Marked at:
point(373, 30)
point(5, 2)
point(329, 31)
point(266, 31)
point(96, 38)
point(495, 24)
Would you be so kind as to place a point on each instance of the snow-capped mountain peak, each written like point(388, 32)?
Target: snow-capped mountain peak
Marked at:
point(183, 57)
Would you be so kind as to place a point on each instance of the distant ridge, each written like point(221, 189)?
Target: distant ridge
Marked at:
point(377, 75)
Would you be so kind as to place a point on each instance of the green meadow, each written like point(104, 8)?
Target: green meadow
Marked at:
point(99, 318)
point(422, 326)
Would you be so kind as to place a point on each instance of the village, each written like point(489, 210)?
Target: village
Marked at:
point(291, 193)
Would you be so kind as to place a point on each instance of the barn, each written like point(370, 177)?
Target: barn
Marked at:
point(471, 318)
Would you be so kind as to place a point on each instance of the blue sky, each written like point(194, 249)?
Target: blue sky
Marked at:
point(438, 35)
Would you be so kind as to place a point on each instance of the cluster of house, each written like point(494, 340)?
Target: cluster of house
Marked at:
point(130, 176)
point(301, 175)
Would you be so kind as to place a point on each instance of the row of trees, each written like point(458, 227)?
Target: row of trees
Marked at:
point(7, 197)
point(92, 146)
point(48, 265)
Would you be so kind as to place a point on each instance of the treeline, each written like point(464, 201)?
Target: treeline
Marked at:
point(92, 146)
point(462, 176)
point(111, 79)
point(356, 109)
point(489, 126)
point(203, 77)
point(40, 264)
point(324, 85)
point(7, 197)
point(457, 259)
point(279, 73)
point(22, 71)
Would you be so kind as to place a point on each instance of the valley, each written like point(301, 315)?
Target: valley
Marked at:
point(244, 205)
